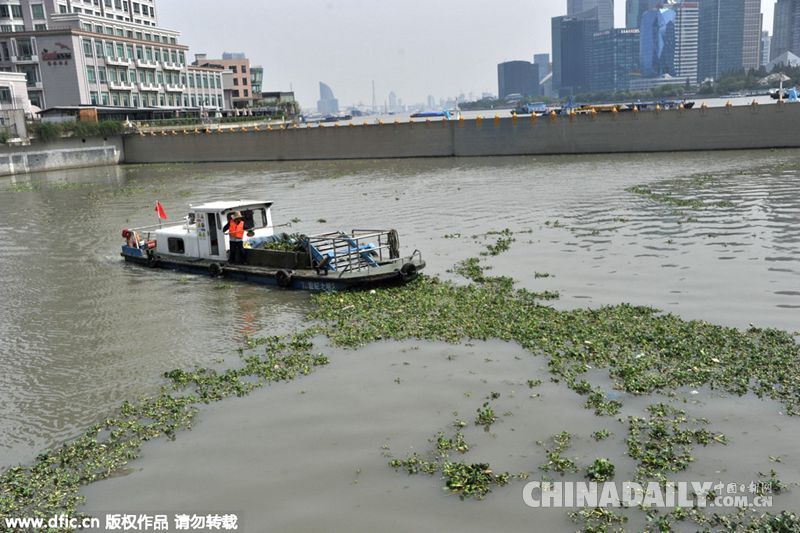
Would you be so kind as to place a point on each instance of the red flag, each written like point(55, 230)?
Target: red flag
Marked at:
point(160, 210)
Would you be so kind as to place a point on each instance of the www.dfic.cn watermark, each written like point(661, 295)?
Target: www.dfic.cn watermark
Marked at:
point(576, 494)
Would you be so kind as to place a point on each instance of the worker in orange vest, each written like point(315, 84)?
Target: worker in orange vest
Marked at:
point(235, 228)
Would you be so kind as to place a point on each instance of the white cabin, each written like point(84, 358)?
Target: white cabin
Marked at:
point(201, 234)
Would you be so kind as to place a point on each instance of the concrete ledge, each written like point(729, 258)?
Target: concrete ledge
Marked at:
point(764, 126)
point(61, 154)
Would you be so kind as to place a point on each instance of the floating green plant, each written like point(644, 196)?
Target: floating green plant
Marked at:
point(600, 470)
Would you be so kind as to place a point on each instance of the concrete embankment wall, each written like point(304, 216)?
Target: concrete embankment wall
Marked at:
point(61, 154)
point(765, 126)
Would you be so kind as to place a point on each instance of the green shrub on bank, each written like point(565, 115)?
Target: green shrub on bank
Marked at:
point(49, 131)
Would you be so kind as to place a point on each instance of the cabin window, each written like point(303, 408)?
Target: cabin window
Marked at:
point(175, 245)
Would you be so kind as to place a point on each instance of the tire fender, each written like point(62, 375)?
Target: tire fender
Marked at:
point(284, 278)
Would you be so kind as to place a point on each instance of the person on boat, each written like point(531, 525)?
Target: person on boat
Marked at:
point(235, 228)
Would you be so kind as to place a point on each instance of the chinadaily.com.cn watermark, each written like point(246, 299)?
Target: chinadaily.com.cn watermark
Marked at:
point(128, 522)
point(576, 494)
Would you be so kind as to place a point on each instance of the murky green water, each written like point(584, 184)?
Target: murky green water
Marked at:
point(80, 331)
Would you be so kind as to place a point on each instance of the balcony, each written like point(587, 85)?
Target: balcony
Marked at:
point(144, 63)
point(25, 59)
point(171, 66)
point(119, 86)
point(119, 61)
point(174, 88)
point(148, 87)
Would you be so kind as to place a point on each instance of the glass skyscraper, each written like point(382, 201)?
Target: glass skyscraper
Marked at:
point(615, 57)
point(517, 77)
point(572, 46)
point(657, 51)
point(730, 36)
point(602, 10)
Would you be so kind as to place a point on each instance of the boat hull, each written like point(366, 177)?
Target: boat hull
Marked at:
point(396, 272)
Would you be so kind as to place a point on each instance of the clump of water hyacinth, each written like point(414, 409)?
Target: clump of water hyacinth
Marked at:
point(50, 486)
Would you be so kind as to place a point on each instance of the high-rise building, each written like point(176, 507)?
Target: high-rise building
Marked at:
point(543, 62)
point(785, 28)
point(766, 47)
point(751, 40)
point(327, 104)
point(517, 77)
point(615, 57)
point(669, 37)
point(686, 40)
point(104, 52)
point(602, 10)
point(634, 9)
point(657, 52)
point(572, 39)
point(730, 36)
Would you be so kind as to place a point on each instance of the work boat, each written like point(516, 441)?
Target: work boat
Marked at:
point(325, 262)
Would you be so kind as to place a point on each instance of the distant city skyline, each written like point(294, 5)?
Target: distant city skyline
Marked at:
point(403, 46)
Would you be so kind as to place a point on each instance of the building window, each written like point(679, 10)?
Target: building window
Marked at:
point(129, 48)
point(136, 8)
point(16, 11)
point(135, 100)
point(37, 10)
point(40, 27)
point(246, 92)
point(5, 95)
point(236, 82)
point(62, 8)
point(120, 50)
point(87, 48)
point(173, 56)
point(157, 54)
point(25, 48)
point(182, 58)
point(125, 100)
point(112, 75)
point(233, 69)
point(93, 98)
point(98, 48)
point(148, 53)
point(90, 74)
point(205, 82)
point(5, 12)
point(161, 100)
point(110, 50)
point(191, 81)
point(101, 74)
point(160, 77)
point(236, 93)
point(115, 99)
point(6, 28)
point(139, 53)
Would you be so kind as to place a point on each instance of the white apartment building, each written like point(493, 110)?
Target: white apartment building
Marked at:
point(102, 52)
point(687, 26)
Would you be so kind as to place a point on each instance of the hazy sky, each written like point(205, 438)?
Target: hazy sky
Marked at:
point(413, 47)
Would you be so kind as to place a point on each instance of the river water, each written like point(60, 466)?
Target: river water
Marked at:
point(80, 331)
